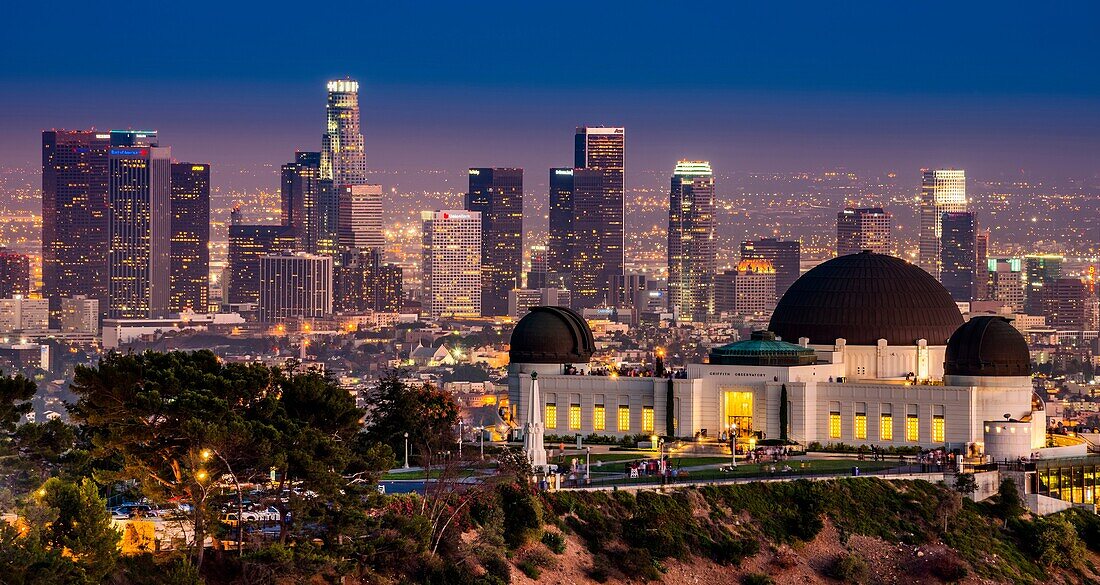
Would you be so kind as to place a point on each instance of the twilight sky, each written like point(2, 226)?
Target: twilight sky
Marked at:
point(993, 87)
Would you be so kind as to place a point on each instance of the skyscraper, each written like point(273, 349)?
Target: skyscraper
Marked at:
point(561, 239)
point(301, 193)
point(452, 263)
point(365, 283)
point(598, 200)
point(747, 290)
point(691, 244)
point(74, 215)
point(15, 274)
point(190, 242)
point(343, 159)
point(295, 285)
point(360, 217)
point(247, 244)
point(981, 271)
point(1006, 282)
point(864, 228)
point(1039, 270)
point(941, 191)
point(784, 256)
point(958, 256)
point(1067, 305)
point(497, 194)
point(139, 226)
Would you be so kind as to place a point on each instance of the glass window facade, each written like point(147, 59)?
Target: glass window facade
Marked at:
point(551, 416)
point(938, 429)
point(912, 428)
point(1075, 483)
point(599, 418)
point(624, 419)
point(886, 427)
point(647, 419)
point(574, 417)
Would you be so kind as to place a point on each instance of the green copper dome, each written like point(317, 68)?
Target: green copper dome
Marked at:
point(762, 349)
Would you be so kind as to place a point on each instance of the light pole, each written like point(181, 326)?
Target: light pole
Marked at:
point(587, 465)
point(406, 450)
point(481, 432)
point(205, 455)
point(733, 444)
point(459, 440)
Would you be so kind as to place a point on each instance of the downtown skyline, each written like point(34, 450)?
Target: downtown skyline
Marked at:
point(965, 98)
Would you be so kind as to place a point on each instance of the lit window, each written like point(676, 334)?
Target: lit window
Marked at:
point(912, 428)
point(886, 427)
point(861, 426)
point(551, 416)
point(599, 418)
point(624, 419)
point(574, 417)
point(834, 425)
point(647, 419)
point(938, 432)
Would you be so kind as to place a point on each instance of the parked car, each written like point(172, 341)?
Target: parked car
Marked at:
point(127, 511)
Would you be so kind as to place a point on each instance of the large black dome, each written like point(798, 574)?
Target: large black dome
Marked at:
point(551, 335)
point(863, 298)
point(987, 346)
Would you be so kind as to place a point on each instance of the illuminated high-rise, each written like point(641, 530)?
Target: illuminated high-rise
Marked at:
point(942, 191)
point(497, 194)
point(360, 217)
point(1039, 271)
point(247, 244)
point(691, 241)
point(295, 285)
point(15, 274)
point(597, 201)
point(301, 194)
point(864, 228)
point(784, 256)
point(343, 159)
point(452, 263)
point(74, 215)
point(958, 256)
point(139, 226)
point(190, 246)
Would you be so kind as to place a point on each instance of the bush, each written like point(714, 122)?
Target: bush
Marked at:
point(530, 569)
point(522, 514)
point(849, 568)
point(1056, 542)
point(947, 568)
point(727, 550)
point(554, 541)
point(497, 566)
point(757, 579)
point(637, 562)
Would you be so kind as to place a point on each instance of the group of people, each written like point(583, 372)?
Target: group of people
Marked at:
point(624, 371)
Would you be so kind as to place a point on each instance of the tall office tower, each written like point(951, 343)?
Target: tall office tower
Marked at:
point(598, 213)
point(981, 271)
point(1039, 269)
point(295, 285)
point(958, 256)
point(364, 282)
point(785, 257)
point(691, 244)
point(628, 290)
point(747, 290)
point(343, 159)
point(536, 277)
point(74, 215)
point(301, 193)
point(1006, 282)
point(15, 274)
point(360, 217)
point(452, 263)
point(190, 245)
point(79, 314)
point(1067, 305)
point(497, 194)
point(247, 244)
point(941, 191)
point(864, 228)
point(139, 226)
point(561, 240)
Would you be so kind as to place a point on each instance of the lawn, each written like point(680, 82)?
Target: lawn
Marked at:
point(815, 467)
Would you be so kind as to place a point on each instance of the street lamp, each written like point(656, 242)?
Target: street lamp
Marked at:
point(481, 432)
point(733, 445)
point(588, 465)
point(406, 450)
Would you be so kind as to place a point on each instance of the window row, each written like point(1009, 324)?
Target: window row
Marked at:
point(599, 418)
point(886, 422)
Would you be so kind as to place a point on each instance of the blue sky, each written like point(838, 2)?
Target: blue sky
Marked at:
point(996, 87)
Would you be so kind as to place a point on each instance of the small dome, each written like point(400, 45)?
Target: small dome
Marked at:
point(987, 346)
point(551, 335)
point(865, 297)
point(762, 349)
